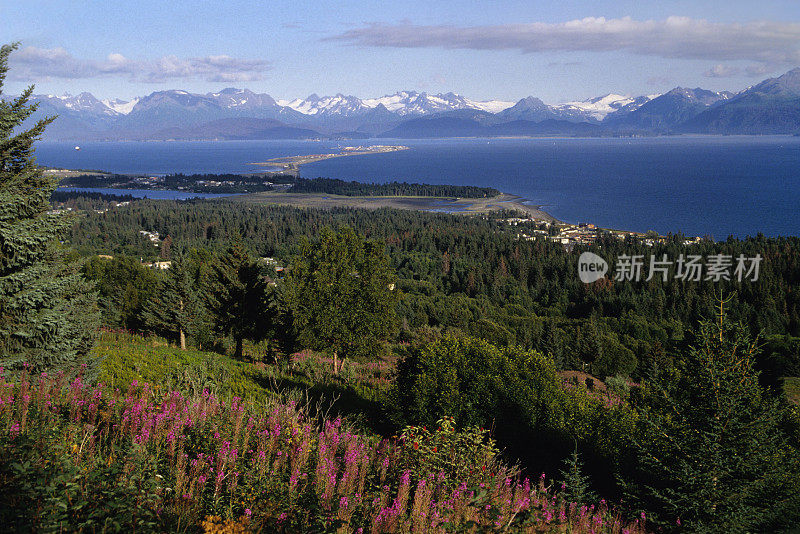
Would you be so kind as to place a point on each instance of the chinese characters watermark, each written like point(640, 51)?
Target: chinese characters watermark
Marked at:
point(690, 268)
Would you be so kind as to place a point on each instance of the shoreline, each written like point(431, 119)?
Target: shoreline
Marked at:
point(448, 205)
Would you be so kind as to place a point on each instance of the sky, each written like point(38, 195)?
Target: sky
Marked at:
point(505, 50)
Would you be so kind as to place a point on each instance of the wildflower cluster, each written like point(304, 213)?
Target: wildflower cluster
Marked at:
point(211, 463)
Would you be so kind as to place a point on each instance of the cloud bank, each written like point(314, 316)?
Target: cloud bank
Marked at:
point(767, 43)
point(38, 64)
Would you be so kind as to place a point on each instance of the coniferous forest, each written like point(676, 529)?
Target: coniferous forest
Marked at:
point(219, 366)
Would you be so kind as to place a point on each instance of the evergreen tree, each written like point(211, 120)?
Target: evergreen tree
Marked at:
point(175, 310)
point(575, 484)
point(341, 294)
point(552, 343)
point(712, 452)
point(240, 301)
point(48, 312)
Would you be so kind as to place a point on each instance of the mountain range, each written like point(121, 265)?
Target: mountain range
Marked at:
point(770, 107)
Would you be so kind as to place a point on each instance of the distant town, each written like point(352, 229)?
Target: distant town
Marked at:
point(569, 235)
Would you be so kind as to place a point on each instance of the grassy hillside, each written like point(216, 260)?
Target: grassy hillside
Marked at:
point(149, 458)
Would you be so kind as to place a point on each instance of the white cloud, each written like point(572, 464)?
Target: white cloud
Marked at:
point(760, 70)
point(721, 71)
point(674, 38)
point(38, 64)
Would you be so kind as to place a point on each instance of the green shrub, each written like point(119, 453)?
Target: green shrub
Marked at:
point(467, 455)
point(618, 385)
point(616, 359)
point(127, 358)
point(517, 393)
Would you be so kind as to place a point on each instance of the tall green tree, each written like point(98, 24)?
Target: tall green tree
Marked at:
point(576, 485)
point(713, 456)
point(124, 286)
point(48, 312)
point(240, 300)
point(175, 310)
point(341, 294)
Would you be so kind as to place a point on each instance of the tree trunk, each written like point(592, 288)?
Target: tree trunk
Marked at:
point(335, 363)
point(238, 353)
point(181, 333)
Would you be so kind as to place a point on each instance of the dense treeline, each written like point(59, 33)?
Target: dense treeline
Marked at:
point(195, 183)
point(333, 186)
point(476, 275)
point(95, 180)
point(84, 200)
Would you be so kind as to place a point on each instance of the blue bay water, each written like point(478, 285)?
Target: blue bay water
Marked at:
point(698, 185)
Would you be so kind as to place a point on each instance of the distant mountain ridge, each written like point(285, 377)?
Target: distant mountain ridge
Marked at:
point(771, 106)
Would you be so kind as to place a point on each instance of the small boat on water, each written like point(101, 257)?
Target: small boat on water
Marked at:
point(77, 148)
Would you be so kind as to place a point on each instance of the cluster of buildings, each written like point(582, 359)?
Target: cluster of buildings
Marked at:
point(216, 183)
point(152, 236)
point(116, 205)
point(147, 180)
point(371, 148)
point(570, 235)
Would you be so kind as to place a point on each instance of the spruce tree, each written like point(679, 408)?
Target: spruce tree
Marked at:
point(175, 310)
point(48, 312)
point(712, 455)
point(575, 484)
point(241, 301)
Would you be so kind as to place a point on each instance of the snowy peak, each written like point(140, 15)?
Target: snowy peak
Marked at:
point(401, 103)
point(599, 107)
point(698, 95)
point(490, 106)
point(338, 104)
point(232, 98)
point(82, 103)
point(414, 103)
point(120, 106)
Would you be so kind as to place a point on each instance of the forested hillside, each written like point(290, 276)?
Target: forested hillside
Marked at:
point(476, 275)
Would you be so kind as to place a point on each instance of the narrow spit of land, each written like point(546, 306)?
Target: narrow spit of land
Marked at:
point(291, 164)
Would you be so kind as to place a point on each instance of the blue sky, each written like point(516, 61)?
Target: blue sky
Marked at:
point(558, 51)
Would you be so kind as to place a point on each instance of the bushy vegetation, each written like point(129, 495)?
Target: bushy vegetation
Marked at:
point(84, 200)
point(153, 461)
point(517, 394)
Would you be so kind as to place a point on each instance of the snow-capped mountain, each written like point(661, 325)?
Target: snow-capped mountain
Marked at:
point(414, 103)
point(338, 104)
point(598, 108)
point(242, 113)
point(84, 102)
point(490, 106)
point(666, 111)
point(402, 103)
point(242, 99)
point(122, 107)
